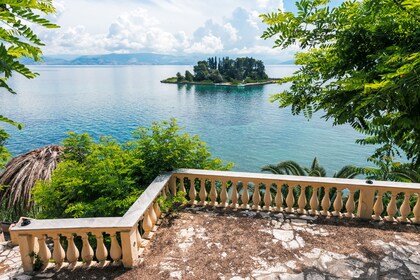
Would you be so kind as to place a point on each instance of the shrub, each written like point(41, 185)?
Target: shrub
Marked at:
point(105, 178)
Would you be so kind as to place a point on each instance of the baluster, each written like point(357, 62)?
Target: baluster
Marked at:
point(338, 203)
point(350, 205)
point(101, 251)
point(279, 198)
point(392, 208)
point(147, 225)
point(290, 200)
point(314, 201)
point(44, 252)
point(163, 193)
point(87, 251)
point(172, 186)
point(405, 209)
point(167, 189)
point(416, 211)
point(193, 193)
point(234, 196)
point(378, 207)
point(181, 185)
point(256, 197)
point(157, 211)
point(326, 202)
point(140, 241)
point(302, 201)
point(267, 197)
point(115, 250)
point(213, 193)
point(223, 195)
point(202, 193)
point(58, 253)
point(245, 196)
point(152, 215)
point(72, 251)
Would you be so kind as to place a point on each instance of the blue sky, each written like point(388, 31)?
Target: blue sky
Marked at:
point(161, 26)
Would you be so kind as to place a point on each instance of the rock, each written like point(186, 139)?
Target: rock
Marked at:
point(283, 235)
point(389, 263)
point(315, 276)
point(414, 268)
point(288, 276)
point(44, 275)
point(22, 277)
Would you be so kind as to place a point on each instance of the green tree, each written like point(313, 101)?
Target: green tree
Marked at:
point(360, 66)
point(201, 71)
point(162, 147)
point(105, 178)
point(100, 185)
point(17, 40)
point(215, 76)
point(179, 77)
point(188, 76)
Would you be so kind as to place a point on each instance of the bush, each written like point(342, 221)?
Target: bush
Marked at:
point(105, 178)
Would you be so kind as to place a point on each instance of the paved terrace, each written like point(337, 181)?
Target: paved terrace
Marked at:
point(203, 243)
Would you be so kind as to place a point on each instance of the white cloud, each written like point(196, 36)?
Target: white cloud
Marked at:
point(232, 31)
point(153, 26)
point(137, 31)
point(209, 44)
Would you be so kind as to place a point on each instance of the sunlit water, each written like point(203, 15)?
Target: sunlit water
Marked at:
point(238, 124)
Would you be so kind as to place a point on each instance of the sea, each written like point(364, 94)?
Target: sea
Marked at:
point(239, 124)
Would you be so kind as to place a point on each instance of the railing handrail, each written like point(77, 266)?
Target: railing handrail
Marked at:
point(322, 181)
point(135, 212)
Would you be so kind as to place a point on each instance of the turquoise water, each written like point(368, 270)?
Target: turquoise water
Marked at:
point(238, 124)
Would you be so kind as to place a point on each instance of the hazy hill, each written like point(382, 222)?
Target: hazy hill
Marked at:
point(139, 59)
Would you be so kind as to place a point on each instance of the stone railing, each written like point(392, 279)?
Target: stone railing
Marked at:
point(344, 198)
point(126, 242)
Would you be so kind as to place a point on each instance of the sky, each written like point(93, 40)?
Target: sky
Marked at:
point(161, 26)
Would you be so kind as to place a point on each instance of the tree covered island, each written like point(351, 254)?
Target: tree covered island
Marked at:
point(215, 71)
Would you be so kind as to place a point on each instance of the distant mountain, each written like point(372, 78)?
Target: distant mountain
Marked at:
point(140, 59)
point(132, 59)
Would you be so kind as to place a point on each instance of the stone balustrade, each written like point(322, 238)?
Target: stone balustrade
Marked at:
point(81, 242)
point(302, 195)
point(344, 198)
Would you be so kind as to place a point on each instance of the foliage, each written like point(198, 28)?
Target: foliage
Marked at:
point(162, 148)
point(100, 185)
point(105, 178)
point(388, 170)
point(4, 154)
point(179, 77)
point(17, 40)
point(20, 175)
point(226, 69)
point(38, 262)
point(171, 203)
point(360, 66)
point(188, 76)
point(290, 167)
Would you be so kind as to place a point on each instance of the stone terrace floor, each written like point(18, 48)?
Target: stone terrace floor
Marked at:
point(207, 244)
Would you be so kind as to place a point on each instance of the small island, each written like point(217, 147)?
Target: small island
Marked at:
point(243, 71)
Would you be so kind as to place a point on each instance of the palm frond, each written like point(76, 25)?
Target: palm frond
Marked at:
point(348, 172)
point(21, 173)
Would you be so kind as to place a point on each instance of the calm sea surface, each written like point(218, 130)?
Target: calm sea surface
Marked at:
point(238, 124)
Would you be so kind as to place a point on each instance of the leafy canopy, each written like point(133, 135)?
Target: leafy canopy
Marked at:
point(360, 65)
point(105, 178)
